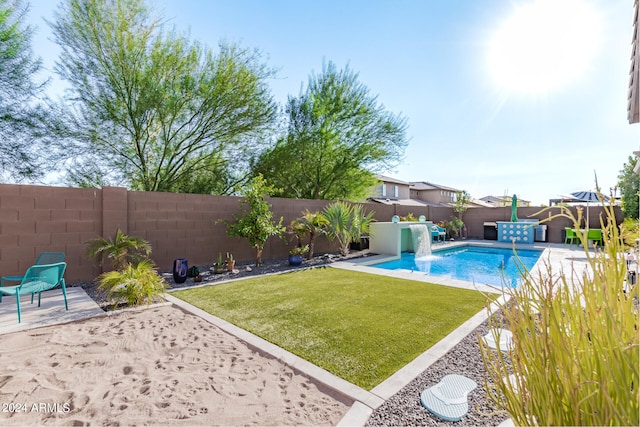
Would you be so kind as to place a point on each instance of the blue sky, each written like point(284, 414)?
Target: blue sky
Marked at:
point(475, 120)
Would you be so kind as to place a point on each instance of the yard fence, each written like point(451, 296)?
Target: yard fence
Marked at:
point(42, 218)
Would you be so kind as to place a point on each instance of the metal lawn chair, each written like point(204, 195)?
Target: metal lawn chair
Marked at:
point(43, 258)
point(38, 278)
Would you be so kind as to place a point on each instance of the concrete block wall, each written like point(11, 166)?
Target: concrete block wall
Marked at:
point(35, 218)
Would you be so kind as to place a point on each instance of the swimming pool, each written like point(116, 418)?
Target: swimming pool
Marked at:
point(482, 265)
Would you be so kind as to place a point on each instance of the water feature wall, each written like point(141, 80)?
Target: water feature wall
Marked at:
point(389, 238)
point(421, 237)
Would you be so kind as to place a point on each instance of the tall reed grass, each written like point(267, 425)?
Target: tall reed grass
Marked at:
point(574, 359)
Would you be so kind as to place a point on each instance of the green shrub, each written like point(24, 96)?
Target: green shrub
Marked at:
point(134, 285)
point(575, 354)
point(630, 231)
point(256, 222)
point(409, 218)
point(454, 226)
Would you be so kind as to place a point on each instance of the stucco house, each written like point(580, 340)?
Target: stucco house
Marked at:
point(416, 193)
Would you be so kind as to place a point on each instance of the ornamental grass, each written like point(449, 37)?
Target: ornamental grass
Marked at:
point(574, 359)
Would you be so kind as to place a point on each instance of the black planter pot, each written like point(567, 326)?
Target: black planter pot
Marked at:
point(361, 245)
point(295, 260)
point(180, 270)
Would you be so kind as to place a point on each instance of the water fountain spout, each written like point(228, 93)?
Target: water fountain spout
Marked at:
point(421, 236)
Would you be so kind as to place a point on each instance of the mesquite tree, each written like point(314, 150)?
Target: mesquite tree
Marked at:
point(338, 136)
point(151, 107)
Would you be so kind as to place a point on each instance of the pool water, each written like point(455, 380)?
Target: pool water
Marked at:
point(490, 266)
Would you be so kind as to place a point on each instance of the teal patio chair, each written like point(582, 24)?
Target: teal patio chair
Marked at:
point(438, 233)
point(43, 258)
point(38, 278)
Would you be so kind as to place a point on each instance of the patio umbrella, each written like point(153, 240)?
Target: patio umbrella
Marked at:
point(587, 196)
point(514, 208)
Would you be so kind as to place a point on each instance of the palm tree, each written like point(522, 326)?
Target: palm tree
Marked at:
point(310, 224)
point(340, 225)
point(121, 251)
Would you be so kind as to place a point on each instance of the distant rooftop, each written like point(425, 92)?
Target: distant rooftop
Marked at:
point(423, 185)
point(404, 202)
point(389, 179)
point(504, 200)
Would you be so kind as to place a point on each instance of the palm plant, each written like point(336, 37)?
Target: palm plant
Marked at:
point(310, 224)
point(121, 250)
point(361, 222)
point(346, 223)
point(339, 227)
point(134, 284)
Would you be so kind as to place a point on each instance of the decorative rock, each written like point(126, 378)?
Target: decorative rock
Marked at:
point(404, 409)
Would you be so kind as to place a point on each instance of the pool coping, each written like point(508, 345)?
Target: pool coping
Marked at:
point(364, 265)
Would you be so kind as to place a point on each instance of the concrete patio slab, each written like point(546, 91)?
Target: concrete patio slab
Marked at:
point(50, 312)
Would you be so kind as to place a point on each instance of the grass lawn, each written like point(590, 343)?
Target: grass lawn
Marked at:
point(361, 327)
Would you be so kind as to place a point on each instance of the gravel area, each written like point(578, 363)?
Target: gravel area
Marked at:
point(243, 269)
point(402, 409)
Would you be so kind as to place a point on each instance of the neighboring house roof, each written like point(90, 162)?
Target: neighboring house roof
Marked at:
point(403, 202)
point(492, 199)
point(423, 185)
point(389, 179)
point(481, 203)
point(503, 200)
point(633, 104)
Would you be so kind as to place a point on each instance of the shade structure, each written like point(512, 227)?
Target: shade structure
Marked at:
point(588, 197)
point(514, 208)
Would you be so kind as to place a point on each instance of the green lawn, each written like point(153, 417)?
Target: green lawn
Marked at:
point(361, 327)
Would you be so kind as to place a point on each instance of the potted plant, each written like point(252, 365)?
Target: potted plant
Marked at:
point(231, 263)
point(218, 266)
point(295, 255)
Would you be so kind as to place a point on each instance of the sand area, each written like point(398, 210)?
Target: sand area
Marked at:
point(159, 366)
